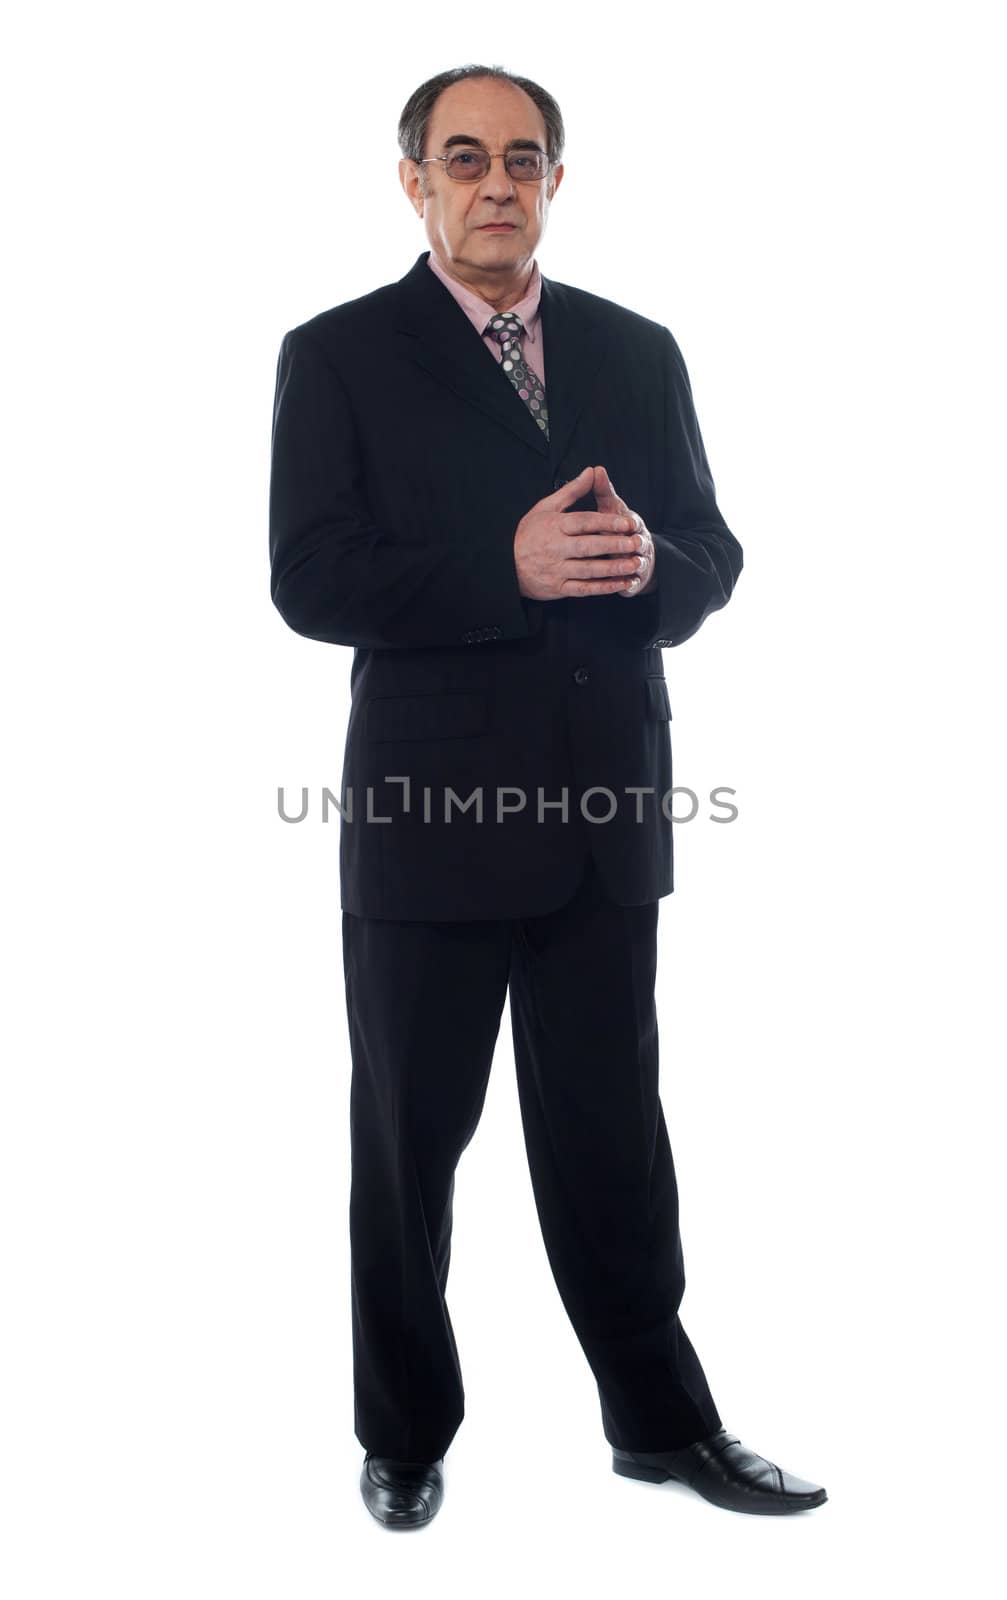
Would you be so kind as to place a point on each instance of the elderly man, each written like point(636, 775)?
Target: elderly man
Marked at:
point(494, 488)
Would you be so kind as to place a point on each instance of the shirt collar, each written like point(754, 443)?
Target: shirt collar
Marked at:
point(479, 311)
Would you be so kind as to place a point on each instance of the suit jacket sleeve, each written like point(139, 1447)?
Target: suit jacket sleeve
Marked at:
point(697, 559)
point(335, 575)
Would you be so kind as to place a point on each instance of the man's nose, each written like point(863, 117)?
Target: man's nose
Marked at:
point(498, 180)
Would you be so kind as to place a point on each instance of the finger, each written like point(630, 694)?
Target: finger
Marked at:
point(603, 484)
point(576, 589)
point(612, 554)
point(602, 544)
point(596, 522)
point(567, 493)
point(624, 566)
point(633, 587)
point(638, 528)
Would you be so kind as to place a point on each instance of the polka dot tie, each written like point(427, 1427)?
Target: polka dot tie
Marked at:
point(506, 329)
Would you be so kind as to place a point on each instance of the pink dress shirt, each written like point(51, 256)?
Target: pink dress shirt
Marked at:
point(479, 313)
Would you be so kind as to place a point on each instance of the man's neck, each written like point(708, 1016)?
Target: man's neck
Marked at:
point(499, 293)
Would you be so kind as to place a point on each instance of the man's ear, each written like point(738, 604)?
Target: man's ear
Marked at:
point(410, 177)
point(557, 179)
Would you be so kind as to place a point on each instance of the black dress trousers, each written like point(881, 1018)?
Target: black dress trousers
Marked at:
point(424, 1001)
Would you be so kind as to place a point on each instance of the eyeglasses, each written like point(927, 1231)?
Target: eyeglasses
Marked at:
point(468, 166)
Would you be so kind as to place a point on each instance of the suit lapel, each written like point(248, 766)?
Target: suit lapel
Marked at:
point(435, 332)
point(575, 342)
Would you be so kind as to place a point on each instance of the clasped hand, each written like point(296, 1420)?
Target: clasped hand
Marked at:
point(559, 553)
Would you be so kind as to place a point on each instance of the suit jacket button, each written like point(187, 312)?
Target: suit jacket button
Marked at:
point(581, 675)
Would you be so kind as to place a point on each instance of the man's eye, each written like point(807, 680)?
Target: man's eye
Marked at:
point(464, 155)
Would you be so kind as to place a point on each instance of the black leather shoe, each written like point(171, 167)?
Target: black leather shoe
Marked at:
point(402, 1494)
point(724, 1472)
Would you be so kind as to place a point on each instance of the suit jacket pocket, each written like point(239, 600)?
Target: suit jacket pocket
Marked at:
point(658, 704)
point(426, 716)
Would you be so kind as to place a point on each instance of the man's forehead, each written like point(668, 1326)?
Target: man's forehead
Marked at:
point(461, 119)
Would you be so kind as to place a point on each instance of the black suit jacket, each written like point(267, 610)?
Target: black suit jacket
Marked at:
point(402, 461)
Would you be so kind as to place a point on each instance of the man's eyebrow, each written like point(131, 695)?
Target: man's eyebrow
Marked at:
point(512, 144)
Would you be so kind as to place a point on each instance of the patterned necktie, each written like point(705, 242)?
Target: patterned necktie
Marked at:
point(506, 329)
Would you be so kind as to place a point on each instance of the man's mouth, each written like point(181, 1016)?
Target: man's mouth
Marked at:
point(497, 227)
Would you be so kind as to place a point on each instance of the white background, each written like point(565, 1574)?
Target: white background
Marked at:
point(809, 196)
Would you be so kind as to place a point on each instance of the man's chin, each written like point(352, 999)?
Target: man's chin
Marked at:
point(491, 254)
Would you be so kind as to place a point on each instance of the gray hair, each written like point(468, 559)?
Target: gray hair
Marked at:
point(414, 122)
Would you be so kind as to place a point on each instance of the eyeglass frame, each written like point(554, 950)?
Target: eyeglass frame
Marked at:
point(516, 150)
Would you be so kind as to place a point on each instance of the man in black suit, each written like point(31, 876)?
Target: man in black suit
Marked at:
point(445, 460)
